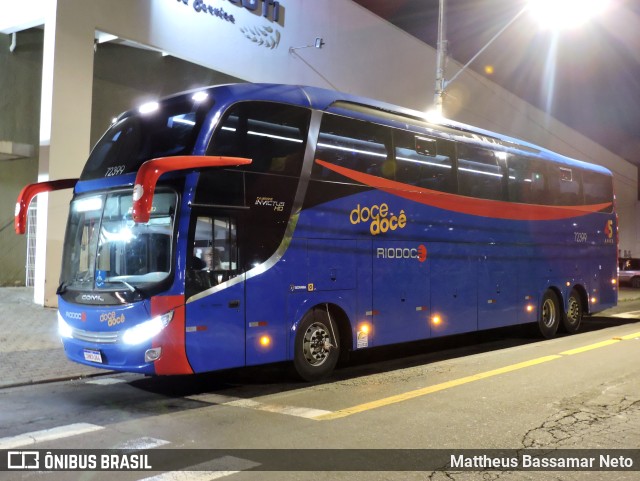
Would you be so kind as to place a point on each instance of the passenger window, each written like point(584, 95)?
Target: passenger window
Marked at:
point(354, 144)
point(420, 163)
point(598, 188)
point(564, 185)
point(527, 180)
point(273, 135)
point(480, 174)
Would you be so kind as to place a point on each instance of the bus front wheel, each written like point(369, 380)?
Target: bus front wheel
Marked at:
point(550, 314)
point(573, 317)
point(316, 350)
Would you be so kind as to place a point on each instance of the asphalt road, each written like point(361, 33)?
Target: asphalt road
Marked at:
point(503, 389)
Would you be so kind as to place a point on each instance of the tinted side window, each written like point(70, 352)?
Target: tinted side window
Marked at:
point(354, 144)
point(564, 185)
point(261, 202)
point(527, 179)
point(598, 188)
point(272, 135)
point(480, 174)
point(421, 161)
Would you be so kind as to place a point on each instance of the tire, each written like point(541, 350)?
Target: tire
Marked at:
point(550, 315)
point(573, 317)
point(316, 349)
point(635, 282)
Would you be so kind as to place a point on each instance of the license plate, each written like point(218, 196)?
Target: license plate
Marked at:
point(92, 355)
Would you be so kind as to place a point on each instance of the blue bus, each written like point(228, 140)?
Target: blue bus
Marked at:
point(246, 224)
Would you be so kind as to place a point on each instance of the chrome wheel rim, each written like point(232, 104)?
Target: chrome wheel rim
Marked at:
point(573, 314)
point(316, 344)
point(548, 313)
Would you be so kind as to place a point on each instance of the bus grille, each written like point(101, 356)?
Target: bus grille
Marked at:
point(97, 337)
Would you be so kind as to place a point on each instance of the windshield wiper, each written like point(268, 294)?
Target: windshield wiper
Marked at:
point(62, 288)
point(131, 287)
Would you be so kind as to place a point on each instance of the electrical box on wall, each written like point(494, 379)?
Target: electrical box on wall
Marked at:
point(12, 150)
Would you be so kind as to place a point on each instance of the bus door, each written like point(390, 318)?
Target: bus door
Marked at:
point(497, 289)
point(215, 292)
point(400, 292)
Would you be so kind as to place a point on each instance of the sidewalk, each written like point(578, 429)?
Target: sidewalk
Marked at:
point(31, 352)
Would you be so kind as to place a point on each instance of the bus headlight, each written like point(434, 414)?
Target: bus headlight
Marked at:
point(147, 330)
point(64, 329)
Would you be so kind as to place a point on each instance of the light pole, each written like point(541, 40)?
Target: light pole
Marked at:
point(441, 58)
point(553, 14)
point(441, 55)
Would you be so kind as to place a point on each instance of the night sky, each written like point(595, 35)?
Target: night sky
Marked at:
point(588, 77)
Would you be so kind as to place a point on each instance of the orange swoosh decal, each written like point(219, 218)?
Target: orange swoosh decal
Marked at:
point(467, 205)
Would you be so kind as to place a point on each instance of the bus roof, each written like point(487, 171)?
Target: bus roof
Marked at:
point(382, 112)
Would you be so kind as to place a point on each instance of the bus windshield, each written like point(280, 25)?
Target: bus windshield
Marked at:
point(105, 250)
point(162, 130)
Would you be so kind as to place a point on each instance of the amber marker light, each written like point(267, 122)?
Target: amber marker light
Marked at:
point(593, 300)
point(436, 320)
point(364, 327)
point(265, 341)
point(530, 308)
point(614, 281)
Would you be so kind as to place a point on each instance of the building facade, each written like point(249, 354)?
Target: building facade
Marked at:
point(73, 65)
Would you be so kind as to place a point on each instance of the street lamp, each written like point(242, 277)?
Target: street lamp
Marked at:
point(565, 14)
point(552, 14)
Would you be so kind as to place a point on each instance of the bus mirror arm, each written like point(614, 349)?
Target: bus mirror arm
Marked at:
point(29, 192)
point(149, 173)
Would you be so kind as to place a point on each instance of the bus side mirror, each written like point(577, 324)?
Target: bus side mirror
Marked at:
point(29, 192)
point(149, 173)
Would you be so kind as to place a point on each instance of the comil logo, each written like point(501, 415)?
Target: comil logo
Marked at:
point(270, 202)
point(381, 220)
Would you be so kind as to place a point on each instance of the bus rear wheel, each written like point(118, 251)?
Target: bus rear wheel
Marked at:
point(550, 315)
point(573, 317)
point(316, 349)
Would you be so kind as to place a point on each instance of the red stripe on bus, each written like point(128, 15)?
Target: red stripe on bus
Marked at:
point(173, 359)
point(467, 205)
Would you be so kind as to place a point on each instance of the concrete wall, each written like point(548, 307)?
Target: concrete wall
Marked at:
point(123, 77)
point(20, 74)
point(362, 54)
point(477, 101)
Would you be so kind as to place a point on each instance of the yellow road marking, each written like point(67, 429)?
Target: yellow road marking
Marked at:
point(465, 380)
point(578, 350)
point(431, 389)
point(631, 336)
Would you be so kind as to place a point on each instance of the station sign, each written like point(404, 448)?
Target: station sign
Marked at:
point(264, 35)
